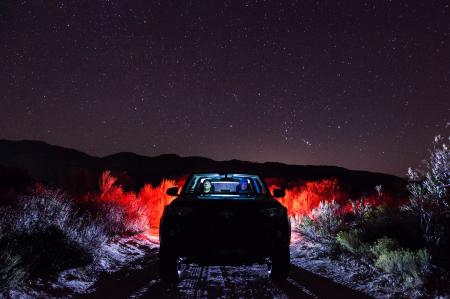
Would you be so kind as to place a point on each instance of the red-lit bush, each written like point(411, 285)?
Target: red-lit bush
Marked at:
point(134, 211)
point(324, 221)
point(301, 199)
point(140, 211)
point(155, 199)
point(125, 210)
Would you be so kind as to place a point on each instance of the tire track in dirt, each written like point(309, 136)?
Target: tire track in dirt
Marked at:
point(321, 287)
point(190, 280)
point(218, 282)
point(127, 281)
point(140, 280)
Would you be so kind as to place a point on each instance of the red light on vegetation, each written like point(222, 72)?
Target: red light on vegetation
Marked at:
point(143, 209)
point(301, 199)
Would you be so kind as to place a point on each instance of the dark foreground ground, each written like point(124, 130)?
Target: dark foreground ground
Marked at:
point(140, 280)
point(127, 267)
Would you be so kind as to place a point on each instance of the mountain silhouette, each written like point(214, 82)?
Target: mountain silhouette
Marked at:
point(79, 172)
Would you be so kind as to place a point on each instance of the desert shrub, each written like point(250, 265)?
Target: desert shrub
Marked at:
point(125, 212)
point(365, 250)
point(429, 198)
point(383, 246)
point(387, 255)
point(360, 210)
point(327, 217)
point(131, 212)
point(11, 270)
point(55, 210)
point(392, 222)
point(43, 234)
point(307, 226)
point(349, 240)
point(412, 266)
point(324, 221)
point(155, 199)
point(302, 198)
point(113, 215)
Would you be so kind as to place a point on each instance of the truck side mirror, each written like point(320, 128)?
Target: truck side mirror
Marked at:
point(173, 191)
point(279, 193)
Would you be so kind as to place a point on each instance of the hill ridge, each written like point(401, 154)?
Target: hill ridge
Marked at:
point(57, 165)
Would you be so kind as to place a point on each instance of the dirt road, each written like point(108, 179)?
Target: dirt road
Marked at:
point(140, 280)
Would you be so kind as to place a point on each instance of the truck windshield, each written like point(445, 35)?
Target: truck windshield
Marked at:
point(224, 184)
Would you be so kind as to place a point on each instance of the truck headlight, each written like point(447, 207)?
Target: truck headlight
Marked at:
point(273, 212)
point(178, 211)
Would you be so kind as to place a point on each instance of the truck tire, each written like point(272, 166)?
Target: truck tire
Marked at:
point(168, 266)
point(280, 262)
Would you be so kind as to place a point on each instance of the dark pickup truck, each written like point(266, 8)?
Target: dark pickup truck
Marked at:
point(224, 219)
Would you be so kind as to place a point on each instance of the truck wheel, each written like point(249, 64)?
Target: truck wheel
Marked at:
point(280, 261)
point(168, 265)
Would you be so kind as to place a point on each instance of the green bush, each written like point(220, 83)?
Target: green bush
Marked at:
point(410, 265)
point(349, 240)
point(393, 223)
point(383, 246)
point(365, 249)
point(379, 222)
point(307, 226)
point(361, 210)
point(387, 254)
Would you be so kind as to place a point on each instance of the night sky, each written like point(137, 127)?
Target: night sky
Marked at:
point(359, 84)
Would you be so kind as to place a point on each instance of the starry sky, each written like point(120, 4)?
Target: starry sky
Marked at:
point(359, 84)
